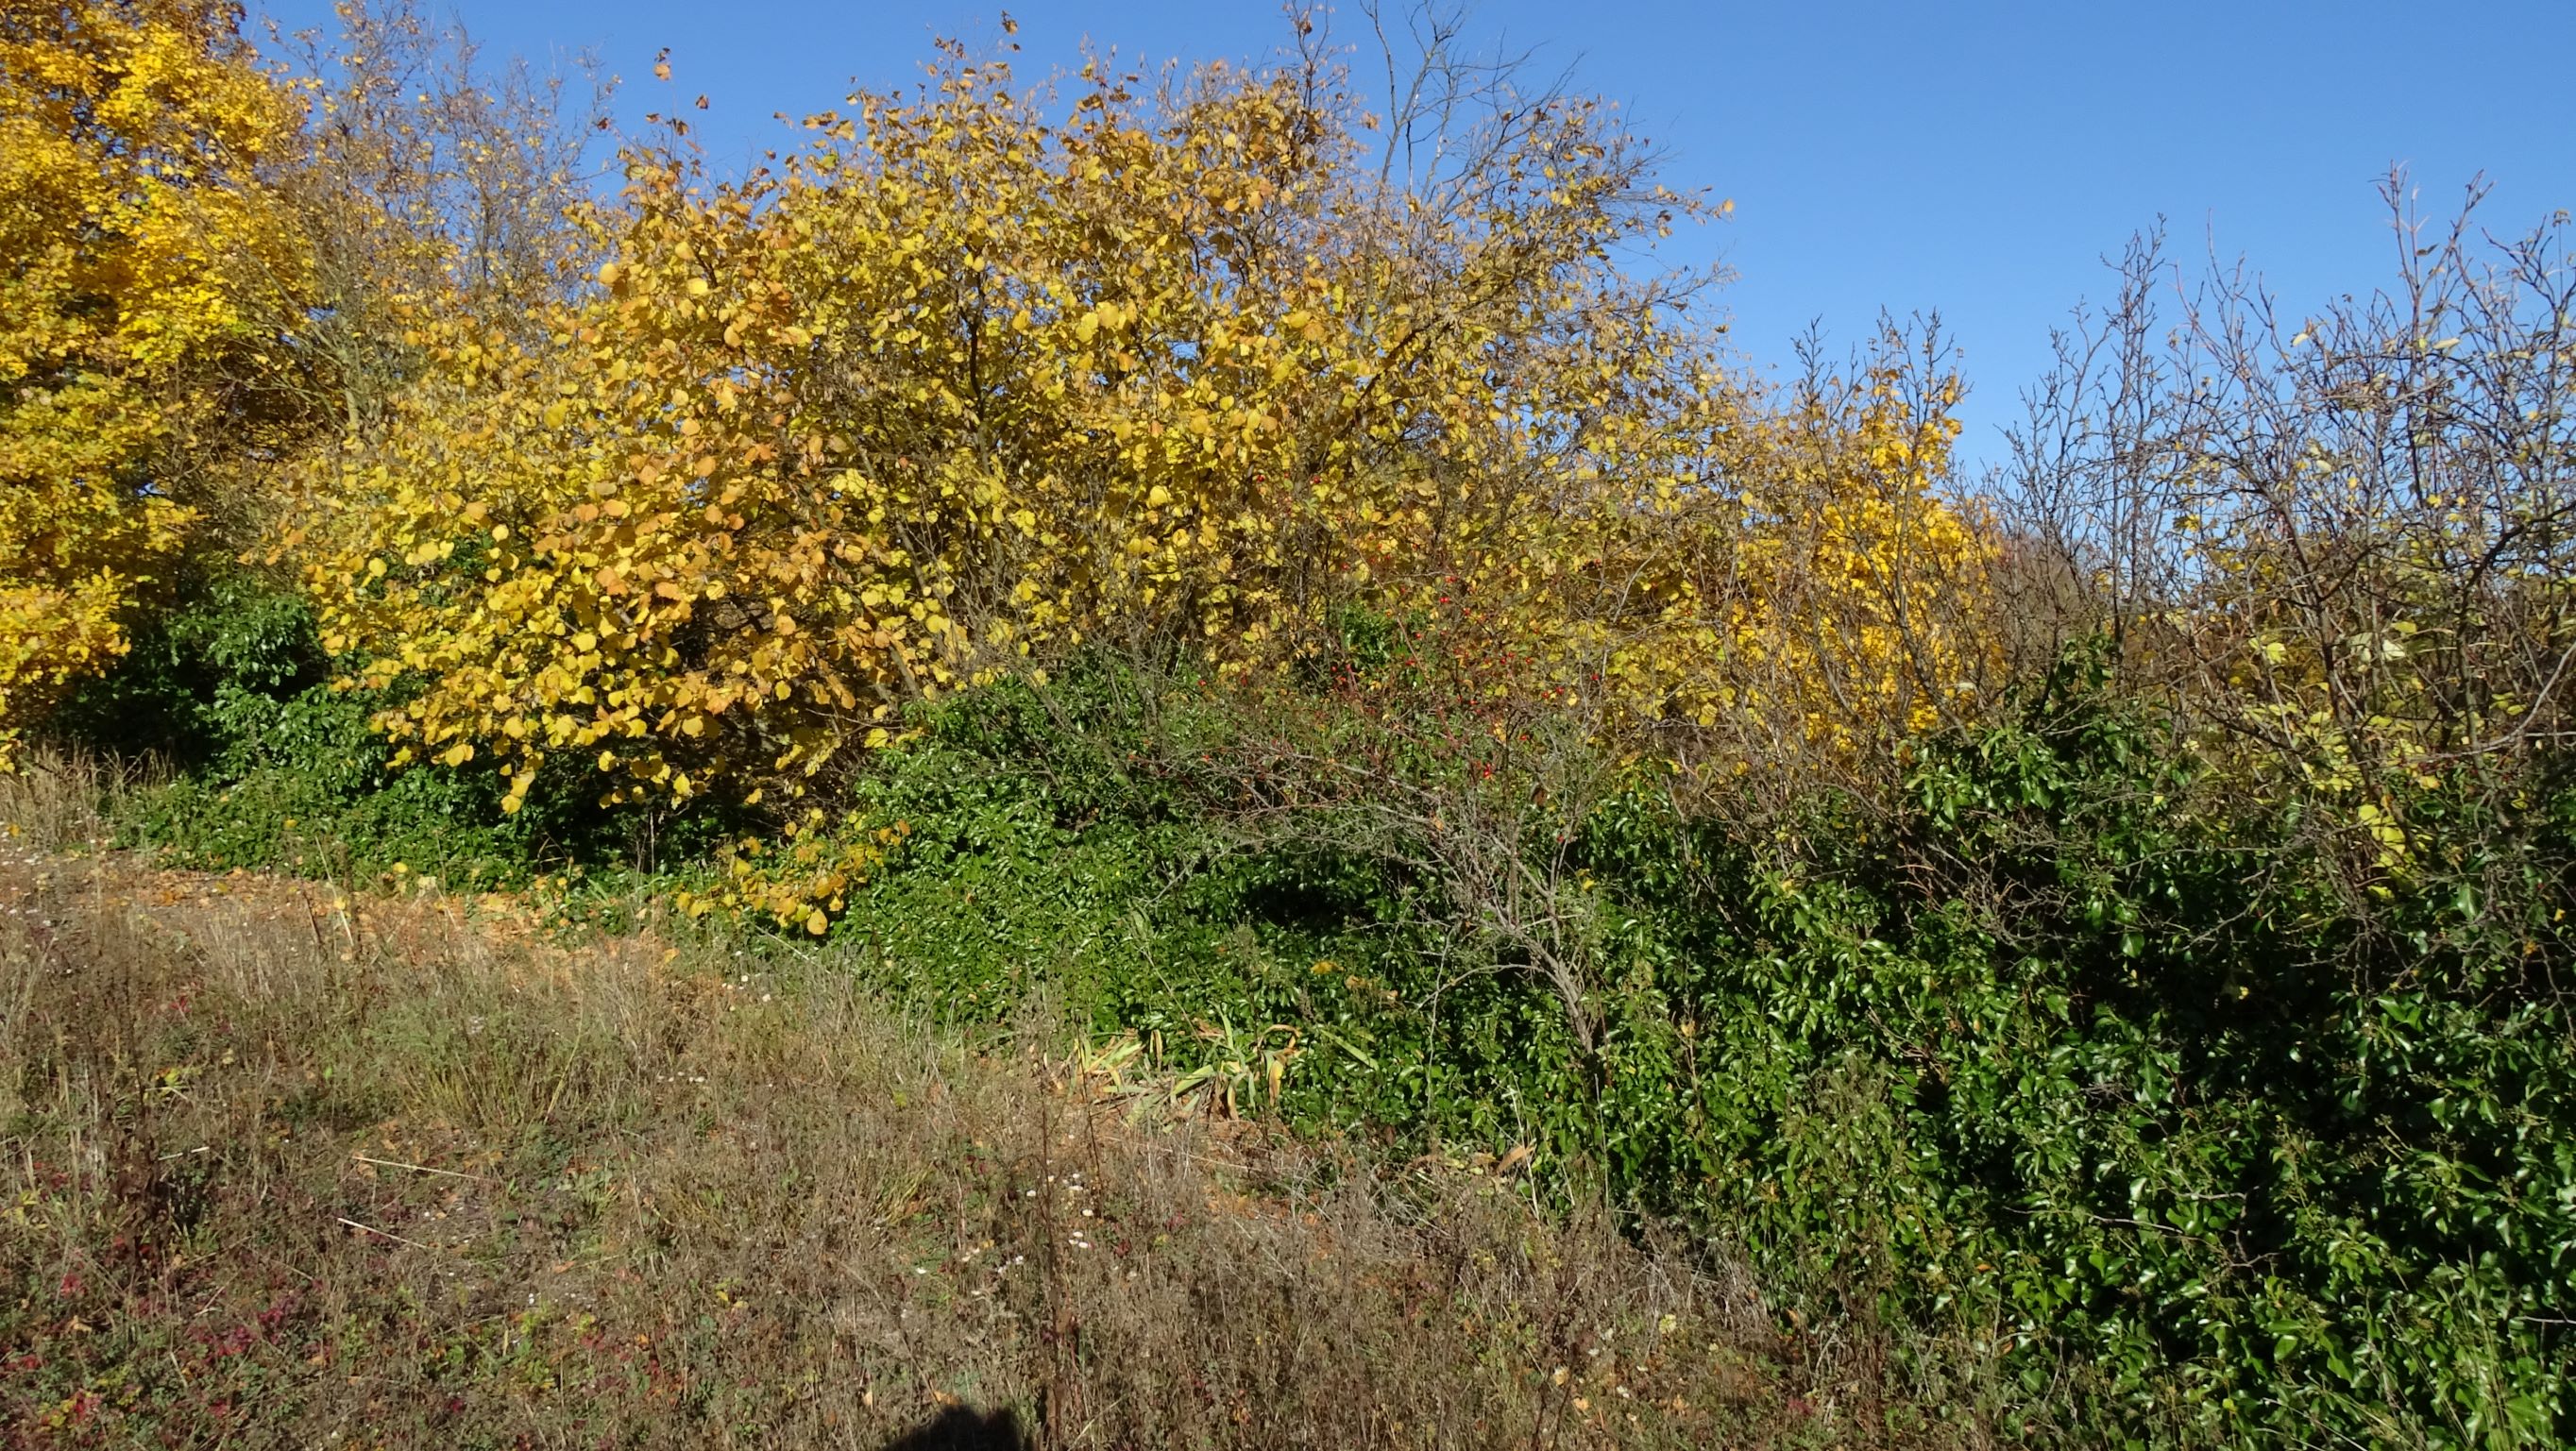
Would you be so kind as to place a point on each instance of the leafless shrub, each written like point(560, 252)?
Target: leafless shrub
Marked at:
point(2368, 513)
point(2337, 546)
point(427, 175)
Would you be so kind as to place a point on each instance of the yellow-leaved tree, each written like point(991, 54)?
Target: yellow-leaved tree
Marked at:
point(144, 254)
point(987, 374)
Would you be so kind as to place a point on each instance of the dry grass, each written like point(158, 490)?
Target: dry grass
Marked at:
point(280, 1173)
point(55, 801)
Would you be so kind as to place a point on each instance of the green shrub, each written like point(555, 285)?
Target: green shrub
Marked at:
point(2078, 1051)
point(274, 766)
point(2086, 1050)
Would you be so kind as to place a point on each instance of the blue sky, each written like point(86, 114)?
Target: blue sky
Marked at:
point(1977, 158)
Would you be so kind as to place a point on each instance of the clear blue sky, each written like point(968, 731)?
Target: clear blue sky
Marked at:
point(1978, 158)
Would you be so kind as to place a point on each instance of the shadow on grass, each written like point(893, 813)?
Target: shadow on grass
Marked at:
point(959, 1429)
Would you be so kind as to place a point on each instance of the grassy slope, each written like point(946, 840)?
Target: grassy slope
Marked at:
point(281, 1171)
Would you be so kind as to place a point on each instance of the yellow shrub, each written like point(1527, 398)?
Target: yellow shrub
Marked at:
point(961, 386)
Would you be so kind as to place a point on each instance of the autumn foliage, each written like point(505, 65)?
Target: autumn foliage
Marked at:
point(986, 375)
point(145, 252)
point(704, 485)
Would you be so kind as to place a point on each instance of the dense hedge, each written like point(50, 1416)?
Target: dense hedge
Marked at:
point(2084, 1054)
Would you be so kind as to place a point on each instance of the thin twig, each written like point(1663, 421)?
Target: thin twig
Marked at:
point(422, 1169)
point(389, 1234)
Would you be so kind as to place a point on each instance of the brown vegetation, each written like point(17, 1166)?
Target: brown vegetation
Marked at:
point(286, 1168)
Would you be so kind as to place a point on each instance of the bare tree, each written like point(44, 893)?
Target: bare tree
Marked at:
point(2340, 544)
point(427, 178)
